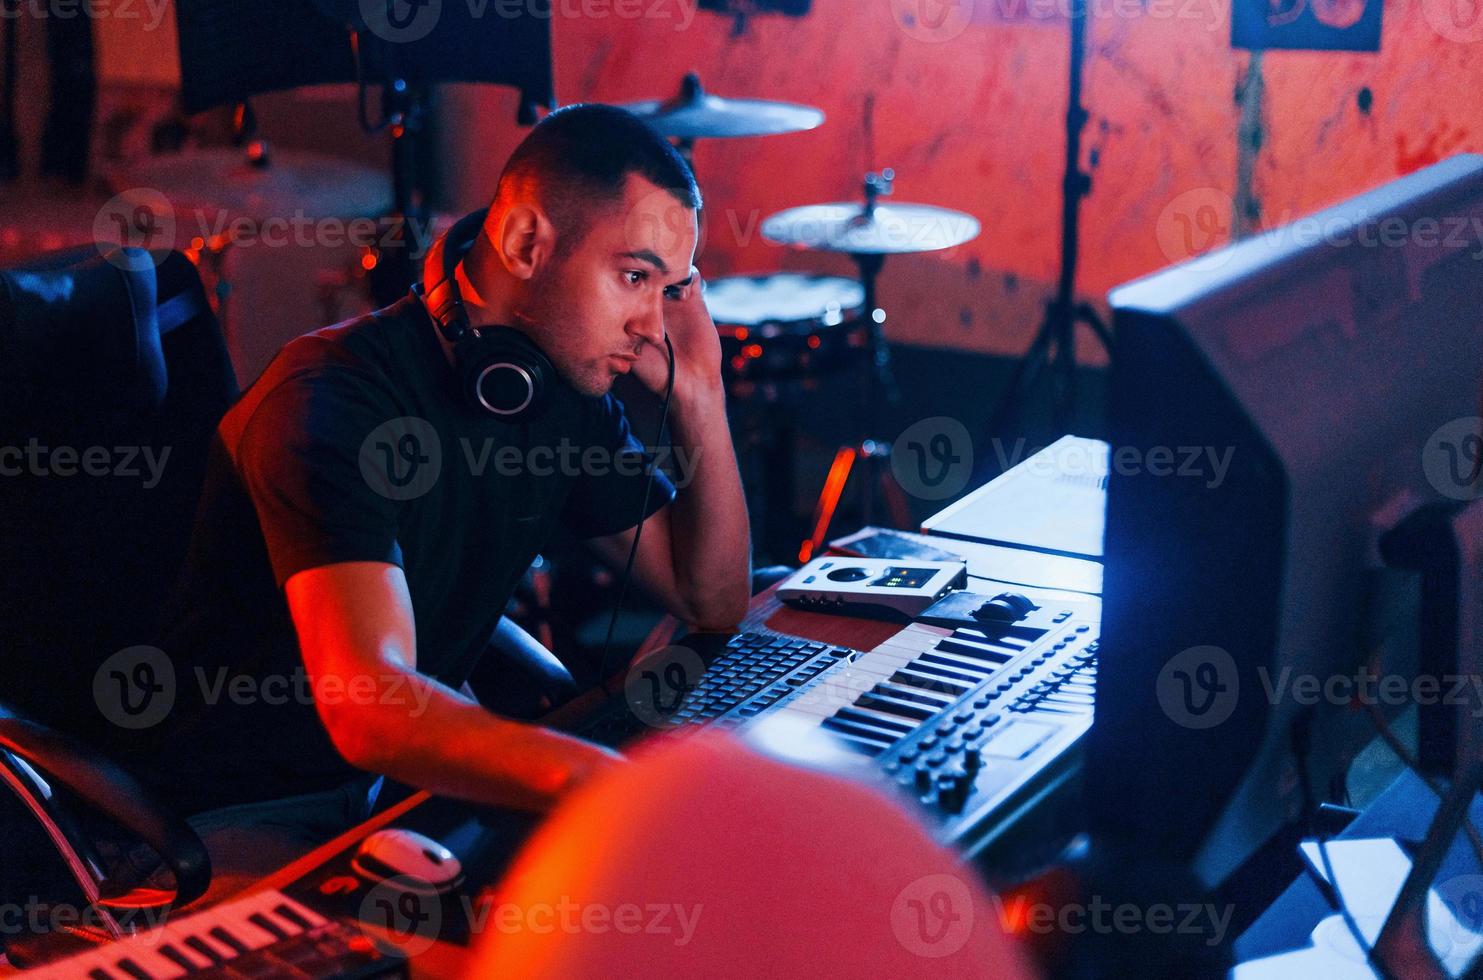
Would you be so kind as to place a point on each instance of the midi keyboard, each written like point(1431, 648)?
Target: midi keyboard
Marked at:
point(966, 710)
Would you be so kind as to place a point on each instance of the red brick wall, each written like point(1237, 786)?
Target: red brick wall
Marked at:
point(970, 116)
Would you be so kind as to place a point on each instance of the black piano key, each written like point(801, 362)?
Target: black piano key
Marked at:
point(870, 734)
point(870, 699)
point(930, 682)
point(865, 746)
point(979, 636)
point(133, 969)
point(980, 651)
point(200, 945)
point(268, 925)
point(892, 724)
point(980, 668)
point(177, 957)
point(874, 734)
point(286, 911)
point(930, 699)
point(221, 935)
point(960, 674)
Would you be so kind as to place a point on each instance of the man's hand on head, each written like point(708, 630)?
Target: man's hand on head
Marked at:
point(697, 345)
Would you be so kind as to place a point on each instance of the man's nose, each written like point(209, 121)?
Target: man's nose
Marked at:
point(648, 324)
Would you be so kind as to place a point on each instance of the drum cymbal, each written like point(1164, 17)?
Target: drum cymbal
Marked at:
point(695, 114)
point(293, 182)
point(889, 229)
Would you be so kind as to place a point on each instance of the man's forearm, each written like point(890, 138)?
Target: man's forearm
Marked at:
point(710, 535)
point(423, 733)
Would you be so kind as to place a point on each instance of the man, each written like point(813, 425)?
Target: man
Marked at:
point(364, 523)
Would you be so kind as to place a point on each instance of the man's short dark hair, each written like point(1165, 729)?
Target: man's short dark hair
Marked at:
point(578, 159)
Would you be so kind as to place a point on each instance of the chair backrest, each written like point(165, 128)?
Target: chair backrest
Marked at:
point(113, 376)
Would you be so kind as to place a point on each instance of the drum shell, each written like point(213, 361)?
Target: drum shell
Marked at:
point(760, 344)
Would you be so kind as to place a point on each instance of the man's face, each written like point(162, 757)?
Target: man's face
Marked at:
point(593, 310)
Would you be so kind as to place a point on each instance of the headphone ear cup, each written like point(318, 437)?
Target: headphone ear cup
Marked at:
point(502, 374)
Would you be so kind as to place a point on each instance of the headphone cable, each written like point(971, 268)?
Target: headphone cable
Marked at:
point(669, 389)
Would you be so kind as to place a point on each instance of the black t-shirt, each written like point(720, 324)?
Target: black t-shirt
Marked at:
point(354, 446)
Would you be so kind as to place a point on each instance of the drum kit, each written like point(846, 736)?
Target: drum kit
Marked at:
point(205, 201)
point(782, 331)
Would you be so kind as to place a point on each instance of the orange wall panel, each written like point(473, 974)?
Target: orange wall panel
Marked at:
point(965, 99)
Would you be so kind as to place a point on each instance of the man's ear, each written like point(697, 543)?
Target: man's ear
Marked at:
point(525, 240)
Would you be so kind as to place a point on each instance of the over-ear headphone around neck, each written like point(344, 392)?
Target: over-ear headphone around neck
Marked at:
point(501, 373)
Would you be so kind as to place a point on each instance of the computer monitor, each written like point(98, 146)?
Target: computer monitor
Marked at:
point(1275, 406)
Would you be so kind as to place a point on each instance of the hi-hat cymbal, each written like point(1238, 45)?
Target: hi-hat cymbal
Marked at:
point(696, 114)
point(889, 229)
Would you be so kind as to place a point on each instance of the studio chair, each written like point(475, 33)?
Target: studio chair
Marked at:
point(113, 376)
point(533, 681)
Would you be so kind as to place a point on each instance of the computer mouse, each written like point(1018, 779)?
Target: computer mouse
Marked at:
point(415, 860)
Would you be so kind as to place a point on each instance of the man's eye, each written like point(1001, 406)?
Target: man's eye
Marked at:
point(672, 292)
point(634, 276)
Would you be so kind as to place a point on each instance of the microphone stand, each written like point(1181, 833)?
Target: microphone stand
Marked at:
point(1054, 346)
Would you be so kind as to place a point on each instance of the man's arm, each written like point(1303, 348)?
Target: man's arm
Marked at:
point(694, 554)
point(354, 623)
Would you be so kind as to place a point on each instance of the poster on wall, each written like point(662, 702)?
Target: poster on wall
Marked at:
point(1306, 25)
